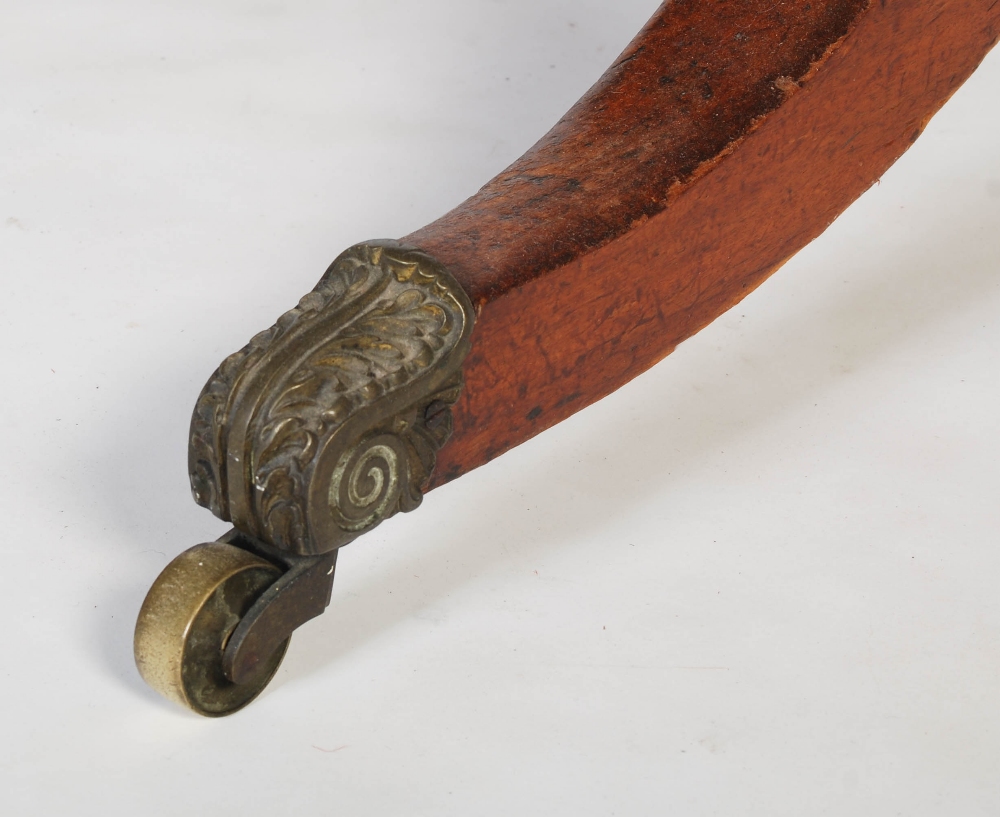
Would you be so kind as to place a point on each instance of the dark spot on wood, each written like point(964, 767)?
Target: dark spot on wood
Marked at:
point(569, 398)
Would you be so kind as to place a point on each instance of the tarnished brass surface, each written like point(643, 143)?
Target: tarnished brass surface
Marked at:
point(300, 594)
point(188, 616)
point(330, 421)
point(320, 428)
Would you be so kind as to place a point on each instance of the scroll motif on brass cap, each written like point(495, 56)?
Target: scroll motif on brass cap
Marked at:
point(330, 421)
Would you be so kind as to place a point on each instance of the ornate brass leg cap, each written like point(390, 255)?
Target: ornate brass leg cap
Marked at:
point(186, 620)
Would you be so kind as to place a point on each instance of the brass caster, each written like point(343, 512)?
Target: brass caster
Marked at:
point(187, 619)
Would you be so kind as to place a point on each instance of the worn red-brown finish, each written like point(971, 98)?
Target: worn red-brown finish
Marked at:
point(728, 136)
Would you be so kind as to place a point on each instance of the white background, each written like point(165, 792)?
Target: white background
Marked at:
point(759, 580)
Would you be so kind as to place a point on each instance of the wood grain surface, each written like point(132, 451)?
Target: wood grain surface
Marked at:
point(727, 137)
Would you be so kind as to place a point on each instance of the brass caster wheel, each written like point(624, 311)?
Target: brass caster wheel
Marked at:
point(187, 619)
